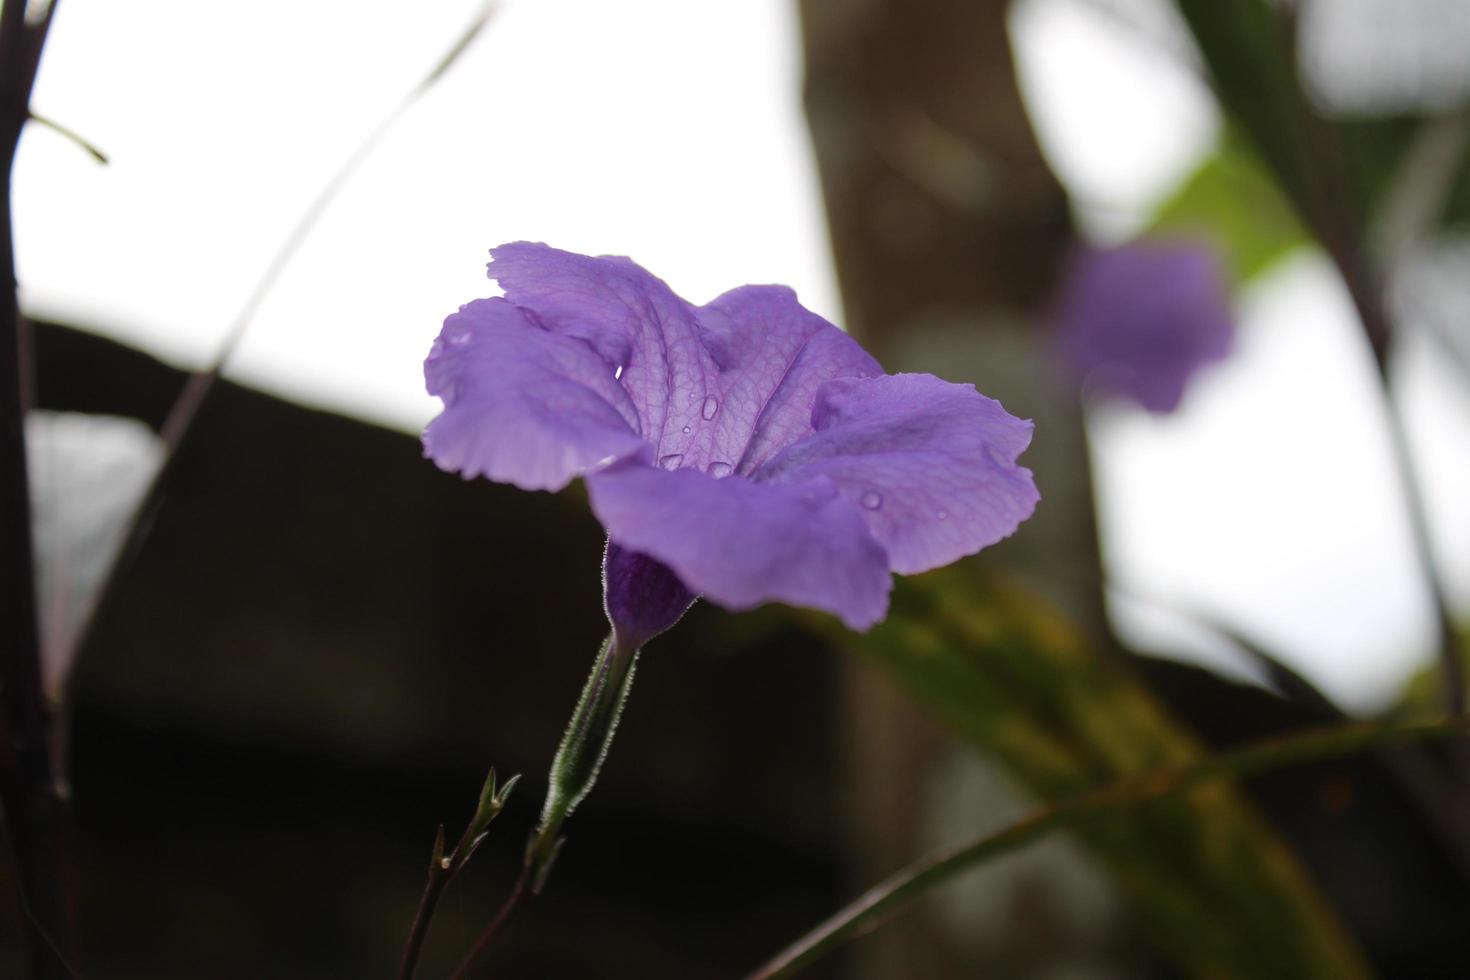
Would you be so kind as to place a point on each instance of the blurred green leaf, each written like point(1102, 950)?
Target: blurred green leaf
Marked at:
point(1337, 174)
point(1232, 201)
point(1007, 673)
point(892, 894)
point(1249, 53)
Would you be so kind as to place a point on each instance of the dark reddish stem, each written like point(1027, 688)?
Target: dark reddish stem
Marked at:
point(34, 809)
point(518, 892)
point(419, 931)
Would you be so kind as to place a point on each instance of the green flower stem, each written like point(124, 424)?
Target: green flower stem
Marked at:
point(583, 748)
point(574, 770)
point(885, 899)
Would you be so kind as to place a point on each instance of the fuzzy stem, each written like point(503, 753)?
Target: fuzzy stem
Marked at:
point(582, 751)
point(574, 770)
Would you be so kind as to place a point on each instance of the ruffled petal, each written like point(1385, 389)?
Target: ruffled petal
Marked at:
point(742, 543)
point(930, 466)
point(773, 354)
point(719, 388)
point(645, 333)
point(523, 405)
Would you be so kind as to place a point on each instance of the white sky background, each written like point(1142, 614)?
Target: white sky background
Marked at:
point(672, 131)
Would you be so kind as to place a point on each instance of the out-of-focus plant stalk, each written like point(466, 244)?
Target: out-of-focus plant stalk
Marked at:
point(185, 410)
point(34, 810)
point(574, 770)
point(1250, 51)
point(887, 898)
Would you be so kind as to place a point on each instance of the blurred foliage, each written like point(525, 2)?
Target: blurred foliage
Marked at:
point(1338, 174)
point(1423, 695)
point(1224, 895)
point(1233, 202)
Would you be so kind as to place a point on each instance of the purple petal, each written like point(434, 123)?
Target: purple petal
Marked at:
point(931, 466)
point(774, 354)
point(1142, 319)
point(642, 596)
point(523, 405)
point(630, 317)
point(718, 388)
point(743, 543)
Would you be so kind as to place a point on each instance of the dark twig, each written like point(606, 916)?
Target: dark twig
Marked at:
point(896, 892)
point(34, 810)
point(179, 423)
point(442, 868)
point(518, 892)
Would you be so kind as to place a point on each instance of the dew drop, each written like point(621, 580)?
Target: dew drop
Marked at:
point(720, 468)
point(671, 461)
point(618, 373)
point(872, 500)
point(711, 406)
point(687, 430)
point(942, 515)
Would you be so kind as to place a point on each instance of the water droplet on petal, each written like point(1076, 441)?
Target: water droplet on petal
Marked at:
point(872, 500)
point(687, 430)
point(671, 461)
point(720, 468)
point(711, 406)
point(618, 373)
point(942, 515)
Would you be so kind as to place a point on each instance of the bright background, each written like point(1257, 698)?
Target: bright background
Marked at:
point(1264, 502)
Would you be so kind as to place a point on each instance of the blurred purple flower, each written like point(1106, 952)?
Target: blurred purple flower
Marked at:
point(746, 450)
point(1141, 319)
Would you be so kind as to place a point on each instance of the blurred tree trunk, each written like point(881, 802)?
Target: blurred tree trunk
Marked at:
point(946, 225)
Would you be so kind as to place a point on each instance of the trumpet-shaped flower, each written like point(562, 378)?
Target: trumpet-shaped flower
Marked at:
point(746, 450)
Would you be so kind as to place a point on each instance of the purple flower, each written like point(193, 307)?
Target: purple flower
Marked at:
point(746, 450)
point(1140, 320)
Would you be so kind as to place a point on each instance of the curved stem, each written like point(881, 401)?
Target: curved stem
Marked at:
point(896, 892)
point(520, 890)
point(185, 410)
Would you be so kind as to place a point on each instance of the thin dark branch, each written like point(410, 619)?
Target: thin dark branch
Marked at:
point(439, 875)
point(890, 896)
point(518, 892)
point(179, 423)
point(34, 810)
point(443, 868)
